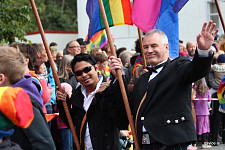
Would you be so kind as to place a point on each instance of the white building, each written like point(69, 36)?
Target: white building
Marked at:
point(191, 18)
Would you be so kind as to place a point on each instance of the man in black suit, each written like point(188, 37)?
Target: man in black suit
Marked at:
point(161, 99)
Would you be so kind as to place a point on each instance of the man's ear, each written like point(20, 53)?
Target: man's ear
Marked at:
point(3, 80)
point(26, 61)
point(97, 65)
point(167, 46)
point(68, 50)
point(38, 54)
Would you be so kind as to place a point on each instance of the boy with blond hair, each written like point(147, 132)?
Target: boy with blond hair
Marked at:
point(12, 70)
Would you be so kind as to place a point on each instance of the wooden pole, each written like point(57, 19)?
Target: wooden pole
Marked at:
point(220, 14)
point(54, 73)
point(119, 76)
point(142, 50)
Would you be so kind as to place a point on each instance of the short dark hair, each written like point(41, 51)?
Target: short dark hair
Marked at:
point(82, 57)
point(138, 46)
point(120, 50)
point(28, 51)
point(53, 44)
point(100, 57)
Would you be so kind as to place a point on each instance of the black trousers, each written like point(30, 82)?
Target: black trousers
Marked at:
point(215, 118)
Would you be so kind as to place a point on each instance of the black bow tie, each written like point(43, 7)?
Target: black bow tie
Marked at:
point(154, 68)
point(151, 69)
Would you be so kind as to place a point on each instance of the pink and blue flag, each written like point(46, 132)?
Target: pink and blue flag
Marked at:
point(161, 15)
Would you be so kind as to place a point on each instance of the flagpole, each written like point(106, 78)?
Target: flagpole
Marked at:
point(220, 14)
point(119, 76)
point(142, 50)
point(54, 73)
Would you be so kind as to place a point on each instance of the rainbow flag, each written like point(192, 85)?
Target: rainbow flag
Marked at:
point(16, 106)
point(118, 12)
point(161, 15)
point(107, 71)
point(49, 117)
point(99, 39)
point(221, 93)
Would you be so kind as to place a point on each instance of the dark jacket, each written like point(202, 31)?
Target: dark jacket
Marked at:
point(37, 136)
point(105, 116)
point(6, 144)
point(166, 111)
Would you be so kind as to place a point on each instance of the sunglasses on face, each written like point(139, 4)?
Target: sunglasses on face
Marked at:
point(85, 70)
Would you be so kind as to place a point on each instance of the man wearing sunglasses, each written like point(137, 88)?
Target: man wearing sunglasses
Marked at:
point(99, 102)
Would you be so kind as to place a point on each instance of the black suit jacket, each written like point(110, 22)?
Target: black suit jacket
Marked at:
point(166, 111)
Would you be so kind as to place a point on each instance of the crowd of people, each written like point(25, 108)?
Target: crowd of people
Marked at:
point(164, 97)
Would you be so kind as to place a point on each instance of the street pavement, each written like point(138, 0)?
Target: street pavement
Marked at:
point(220, 146)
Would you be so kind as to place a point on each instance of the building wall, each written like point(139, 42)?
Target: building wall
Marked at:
point(192, 17)
point(60, 38)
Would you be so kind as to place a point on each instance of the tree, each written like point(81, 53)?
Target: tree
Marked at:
point(17, 18)
point(12, 20)
point(56, 15)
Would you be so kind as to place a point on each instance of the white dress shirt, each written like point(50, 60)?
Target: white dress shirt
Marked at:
point(87, 102)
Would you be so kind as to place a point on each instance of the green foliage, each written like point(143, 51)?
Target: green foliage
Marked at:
point(12, 20)
point(56, 15)
point(17, 18)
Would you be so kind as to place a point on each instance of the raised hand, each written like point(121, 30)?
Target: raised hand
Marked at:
point(205, 38)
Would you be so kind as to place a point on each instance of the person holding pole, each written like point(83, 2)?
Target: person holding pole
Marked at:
point(161, 101)
point(96, 107)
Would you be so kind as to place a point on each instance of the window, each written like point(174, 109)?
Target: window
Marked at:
point(213, 13)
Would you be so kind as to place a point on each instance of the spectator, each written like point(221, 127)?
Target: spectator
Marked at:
point(101, 64)
point(65, 71)
point(37, 135)
point(202, 112)
point(181, 49)
point(83, 44)
point(191, 47)
point(120, 50)
point(94, 51)
point(72, 48)
point(125, 58)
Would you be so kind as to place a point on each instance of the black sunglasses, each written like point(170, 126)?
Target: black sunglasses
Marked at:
point(85, 70)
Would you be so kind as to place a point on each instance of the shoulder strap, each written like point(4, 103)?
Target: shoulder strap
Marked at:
point(143, 99)
point(84, 120)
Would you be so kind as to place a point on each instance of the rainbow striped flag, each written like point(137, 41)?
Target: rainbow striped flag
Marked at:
point(15, 107)
point(49, 117)
point(118, 12)
point(99, 39)
point(221, 93)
